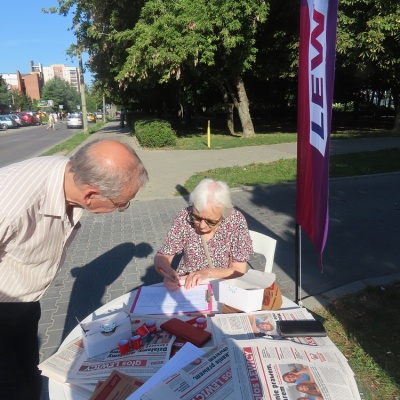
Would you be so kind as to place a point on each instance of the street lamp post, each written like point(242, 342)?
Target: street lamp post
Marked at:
point(83, 94)
point(82, 82)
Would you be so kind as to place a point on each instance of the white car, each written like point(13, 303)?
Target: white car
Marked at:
point(99, 115)
point(17, 119)
point(7, 122)
point(75, 120)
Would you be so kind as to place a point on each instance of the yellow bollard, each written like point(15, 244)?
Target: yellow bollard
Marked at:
point(208, 135)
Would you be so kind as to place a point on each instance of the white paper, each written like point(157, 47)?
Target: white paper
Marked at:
point(183, 357)
point(160, 300)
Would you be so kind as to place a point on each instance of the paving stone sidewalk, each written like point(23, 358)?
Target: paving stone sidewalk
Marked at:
point(112, 253)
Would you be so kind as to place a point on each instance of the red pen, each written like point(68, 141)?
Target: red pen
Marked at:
point(164, 273)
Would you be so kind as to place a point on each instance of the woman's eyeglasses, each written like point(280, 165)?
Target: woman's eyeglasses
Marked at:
point(210, 222)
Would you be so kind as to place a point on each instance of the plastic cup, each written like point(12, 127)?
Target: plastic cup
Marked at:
point(123, 347)
point(201, 323)
point(136, 342)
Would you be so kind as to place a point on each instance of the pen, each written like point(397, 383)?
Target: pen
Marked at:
point(163, 273)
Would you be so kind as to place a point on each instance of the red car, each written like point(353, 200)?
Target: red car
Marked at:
point(30, 118)
point(27, 118)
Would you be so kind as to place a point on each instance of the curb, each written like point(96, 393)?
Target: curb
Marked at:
point(327, 298)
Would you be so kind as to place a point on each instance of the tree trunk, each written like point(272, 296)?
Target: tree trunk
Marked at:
point(229, 118)
point(229, 110)
point(242, 104)
point(396, 103)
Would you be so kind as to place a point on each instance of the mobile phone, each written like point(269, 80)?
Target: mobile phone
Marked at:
point(300, 328)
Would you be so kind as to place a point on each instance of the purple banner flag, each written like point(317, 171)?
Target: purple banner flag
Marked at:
point(318, 22)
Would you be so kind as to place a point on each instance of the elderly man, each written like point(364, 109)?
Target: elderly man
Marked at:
point(41, 202)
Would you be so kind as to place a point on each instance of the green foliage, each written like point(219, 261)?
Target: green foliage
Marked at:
point(23, 102)
point(5, 97)
point(343, 107)
point(154, 133)
point(61, 93)
point(369, 39)
point(180, 54)
point(172, 36)
point(93, 101)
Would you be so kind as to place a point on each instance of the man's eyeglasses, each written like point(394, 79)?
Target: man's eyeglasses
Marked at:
point(210, 222)
point(121, 207)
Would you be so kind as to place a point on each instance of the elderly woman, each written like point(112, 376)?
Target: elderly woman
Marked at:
point(209, 225)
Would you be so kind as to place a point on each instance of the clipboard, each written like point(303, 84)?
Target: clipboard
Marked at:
point(153, 300)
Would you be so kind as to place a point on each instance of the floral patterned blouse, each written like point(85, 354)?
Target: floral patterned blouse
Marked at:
point(230, 241)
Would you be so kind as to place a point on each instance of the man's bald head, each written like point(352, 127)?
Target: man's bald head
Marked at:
point(109, 165)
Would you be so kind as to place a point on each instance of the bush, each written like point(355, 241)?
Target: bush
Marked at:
point(154, 133)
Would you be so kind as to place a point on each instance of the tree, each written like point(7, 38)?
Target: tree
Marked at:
point(5, 97)
point(368, 46)
point(172, 38)
point(61, 93)
point(95, 22)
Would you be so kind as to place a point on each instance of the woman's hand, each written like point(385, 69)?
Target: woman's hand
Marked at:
point(172, 284)
point(162, 264)
point(195, 278)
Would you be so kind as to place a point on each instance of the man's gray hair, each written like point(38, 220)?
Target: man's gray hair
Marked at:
point(210, 192)
point(92, 170)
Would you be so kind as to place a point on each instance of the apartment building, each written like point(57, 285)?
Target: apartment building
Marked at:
point(32, 82)
point(69, 74)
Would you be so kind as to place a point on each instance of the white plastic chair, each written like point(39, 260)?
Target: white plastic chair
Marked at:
point(265, 245)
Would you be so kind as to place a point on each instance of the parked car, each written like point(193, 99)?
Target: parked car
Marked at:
point(7, 122)
point(99, 115)
point(27, 118)
point(35, 117)
point(75, 120)
point(24, 122)
point(17, 119)
point(91, 117)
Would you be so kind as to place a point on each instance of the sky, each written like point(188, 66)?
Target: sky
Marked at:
point(27, 34)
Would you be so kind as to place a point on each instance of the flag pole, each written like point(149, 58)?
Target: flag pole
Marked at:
point(298, 262)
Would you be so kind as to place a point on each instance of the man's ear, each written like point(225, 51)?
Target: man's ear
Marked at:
point(89, 193)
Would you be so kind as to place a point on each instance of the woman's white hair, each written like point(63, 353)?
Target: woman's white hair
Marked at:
point(214, 193)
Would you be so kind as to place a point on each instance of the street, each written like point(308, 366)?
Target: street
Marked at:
point(30, 141)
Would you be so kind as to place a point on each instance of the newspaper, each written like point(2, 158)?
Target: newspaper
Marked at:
point(207, 377)
point(284, 370)
point(142, 363)
point(70, 364)
point(247, 326)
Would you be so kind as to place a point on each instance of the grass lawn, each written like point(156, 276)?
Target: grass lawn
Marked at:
point(366, 328)
point(285, 170)
point(225, 141)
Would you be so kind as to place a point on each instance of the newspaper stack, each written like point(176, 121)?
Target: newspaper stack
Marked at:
point(256, 365)
point(245, 360)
